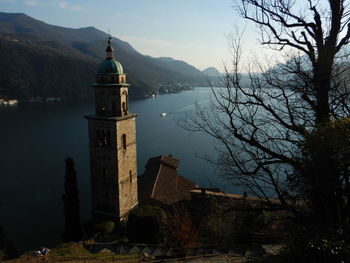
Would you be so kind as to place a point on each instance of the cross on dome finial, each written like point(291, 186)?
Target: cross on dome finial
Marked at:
point(109, 49)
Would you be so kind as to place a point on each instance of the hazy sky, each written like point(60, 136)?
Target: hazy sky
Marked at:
point(191, 30)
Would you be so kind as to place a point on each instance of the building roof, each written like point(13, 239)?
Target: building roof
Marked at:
point(162, 182)
point(110, 66)
point(164, 160)
point(200, 193)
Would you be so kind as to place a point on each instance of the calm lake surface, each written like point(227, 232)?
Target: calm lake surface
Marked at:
point(35, 139)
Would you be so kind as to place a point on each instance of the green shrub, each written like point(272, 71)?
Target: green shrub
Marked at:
point(105, 227)
point(145, 225)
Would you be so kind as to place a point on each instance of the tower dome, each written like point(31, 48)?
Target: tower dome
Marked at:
point(110, 65)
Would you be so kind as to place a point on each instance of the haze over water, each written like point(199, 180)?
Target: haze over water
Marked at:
point(37, 137)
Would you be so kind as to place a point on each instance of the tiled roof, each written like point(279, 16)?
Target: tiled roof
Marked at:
point(161, 181)
point(164, 160)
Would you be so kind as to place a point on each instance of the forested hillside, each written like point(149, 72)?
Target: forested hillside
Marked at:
point(41, 60)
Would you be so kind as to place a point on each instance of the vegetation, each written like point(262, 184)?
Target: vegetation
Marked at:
point(180, 231)
point(105, 227)
point(276, 136)
point(72, 228)
point(70, 249)
point(227, 222)
point(73, 253)
point(7, 250)
point(38, 71)
point(325, 160)
point(146, 225)
point(8, 86)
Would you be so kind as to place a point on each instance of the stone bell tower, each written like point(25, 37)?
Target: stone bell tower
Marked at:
point(112, 142)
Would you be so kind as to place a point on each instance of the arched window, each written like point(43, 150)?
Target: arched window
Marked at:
point(124, 108)
point(127, 102)
point(124, 141)
point(104, 132)
point(108, 137)
point(100, 137)
point(103, 137)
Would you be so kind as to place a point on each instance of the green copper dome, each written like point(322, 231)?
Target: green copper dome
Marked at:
point(110, 66)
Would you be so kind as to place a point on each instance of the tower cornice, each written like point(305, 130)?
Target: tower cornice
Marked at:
point(114, 118)
point(110, 85)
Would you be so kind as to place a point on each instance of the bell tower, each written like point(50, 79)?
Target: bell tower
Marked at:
point(112, 143)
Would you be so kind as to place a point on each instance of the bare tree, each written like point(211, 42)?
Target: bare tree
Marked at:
point(262, 128)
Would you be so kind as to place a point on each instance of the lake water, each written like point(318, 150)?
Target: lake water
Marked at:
point(35, 139)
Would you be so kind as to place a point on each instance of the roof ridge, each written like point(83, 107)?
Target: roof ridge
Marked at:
point(156, 181)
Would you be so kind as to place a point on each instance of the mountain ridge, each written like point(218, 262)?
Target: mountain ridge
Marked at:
point(211, 72)
point(31, 43)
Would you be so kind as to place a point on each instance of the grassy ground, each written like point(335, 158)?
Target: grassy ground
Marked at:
point(77, 253)
point(74, 253)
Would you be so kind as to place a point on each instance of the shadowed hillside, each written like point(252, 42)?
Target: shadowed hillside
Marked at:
point(41, 60)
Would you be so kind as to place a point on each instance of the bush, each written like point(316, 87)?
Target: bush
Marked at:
point(105, 227)
point(145, 225)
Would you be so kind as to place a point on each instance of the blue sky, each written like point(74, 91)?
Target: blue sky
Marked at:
point(191, 30)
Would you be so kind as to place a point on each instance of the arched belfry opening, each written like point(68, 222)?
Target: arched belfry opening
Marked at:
point(124, 141)
point(125, 102)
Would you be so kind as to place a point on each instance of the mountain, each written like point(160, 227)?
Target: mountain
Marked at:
point(178, 66)
point(211, 72)
point(42, 60)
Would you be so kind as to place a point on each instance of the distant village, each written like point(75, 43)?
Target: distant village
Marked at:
point(8, 102)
